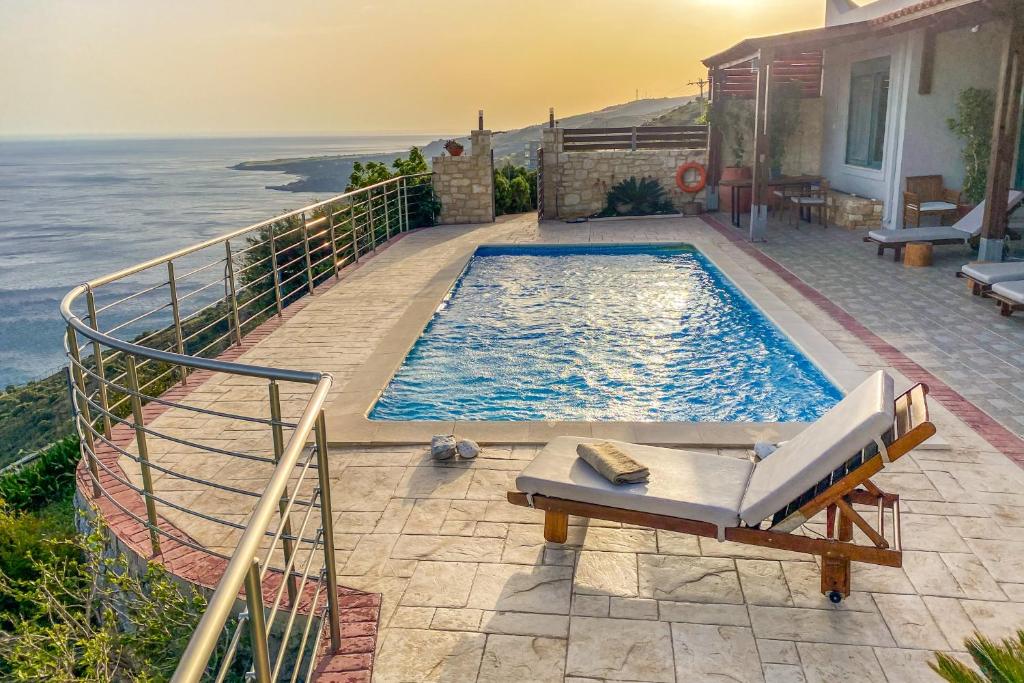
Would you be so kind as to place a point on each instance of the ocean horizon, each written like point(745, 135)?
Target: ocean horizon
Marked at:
point(72, 209)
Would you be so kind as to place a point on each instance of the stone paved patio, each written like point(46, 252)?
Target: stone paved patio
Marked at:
point(925, 312)
point(471, 591)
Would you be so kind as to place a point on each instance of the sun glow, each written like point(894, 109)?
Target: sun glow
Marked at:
point(259, 66)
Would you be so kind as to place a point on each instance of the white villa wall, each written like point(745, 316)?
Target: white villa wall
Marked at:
point(962, 60)
point(865, 182)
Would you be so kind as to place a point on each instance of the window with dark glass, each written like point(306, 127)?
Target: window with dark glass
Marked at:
point(869, 100)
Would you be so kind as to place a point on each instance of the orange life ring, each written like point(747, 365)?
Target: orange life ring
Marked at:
point(691, 188)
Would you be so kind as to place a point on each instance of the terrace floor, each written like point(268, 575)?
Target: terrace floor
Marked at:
point(471, 591)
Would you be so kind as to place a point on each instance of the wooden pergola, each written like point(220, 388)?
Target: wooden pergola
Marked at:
point(752, 68)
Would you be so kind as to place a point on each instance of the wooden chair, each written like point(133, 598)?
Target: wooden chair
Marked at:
point(927, 196)
point(817, 197)
point(760, 504)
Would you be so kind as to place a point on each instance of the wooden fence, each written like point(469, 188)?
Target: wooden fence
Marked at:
point(643, 137)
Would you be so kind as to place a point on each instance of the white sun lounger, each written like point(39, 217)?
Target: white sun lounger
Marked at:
point(959, 233)
point(981, 276)
point(730, 499)
point(1010, 296)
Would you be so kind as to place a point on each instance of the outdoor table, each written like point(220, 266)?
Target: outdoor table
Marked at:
point(782, 182)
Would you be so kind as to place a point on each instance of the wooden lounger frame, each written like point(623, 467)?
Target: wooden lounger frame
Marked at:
point(977, 287)
point(898, 247)
point(837, 549)
point(1006, 305)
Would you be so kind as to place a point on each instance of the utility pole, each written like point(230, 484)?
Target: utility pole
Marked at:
point(699, 82)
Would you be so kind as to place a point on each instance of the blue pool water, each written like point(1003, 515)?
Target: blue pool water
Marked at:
point(606, 333)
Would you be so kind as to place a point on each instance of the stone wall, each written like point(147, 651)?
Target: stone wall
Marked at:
point(465, 184)
point(853, 212)
point(576, 184)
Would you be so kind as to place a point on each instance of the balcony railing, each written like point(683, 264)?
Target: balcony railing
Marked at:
point(141, 340)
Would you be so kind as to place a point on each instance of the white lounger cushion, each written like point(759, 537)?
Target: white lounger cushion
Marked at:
point(937, 206)
point(919, 235)
point(991, 273)
point(684, 484)
point(966, 227)
point(865, 414)
point(1014, 291)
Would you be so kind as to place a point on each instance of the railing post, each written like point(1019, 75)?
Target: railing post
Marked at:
point(334, 245)
point(257, 623)
point(403, 206)
point(276, 272)
point(230, 271)
point(286, 523)
point(82, 412)
point(327, 524)
point(97, 356)
point(387, 215)
point(176, 313)
point(355, 233)
point(373, 230)
point(309, 261)
point(140, 440)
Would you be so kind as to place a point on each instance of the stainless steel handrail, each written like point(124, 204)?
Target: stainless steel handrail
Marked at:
point(213, 241)
point(385, 213)
point(204, 640)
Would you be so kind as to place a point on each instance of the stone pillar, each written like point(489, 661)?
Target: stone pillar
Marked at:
point(465, 184)
point(551, 143)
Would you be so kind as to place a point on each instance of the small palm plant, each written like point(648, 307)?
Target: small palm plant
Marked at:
point(997, 662)
point(634, 197)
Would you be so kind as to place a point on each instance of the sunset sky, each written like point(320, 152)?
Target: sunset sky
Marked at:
point(190, 67)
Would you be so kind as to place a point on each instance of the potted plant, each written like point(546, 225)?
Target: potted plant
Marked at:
point(736, 122)
point(454, 147)
point(975, 113)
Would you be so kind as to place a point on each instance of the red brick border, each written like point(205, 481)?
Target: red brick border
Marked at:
point(121, 508)
point(1001, 438)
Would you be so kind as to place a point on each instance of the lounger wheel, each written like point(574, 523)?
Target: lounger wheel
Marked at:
point(835, 597)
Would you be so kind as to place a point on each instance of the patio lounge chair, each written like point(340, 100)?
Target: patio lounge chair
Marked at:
point(1010, 296)
point(959, 233)
point(926, 195)
point(981, 276)
point(827, 467)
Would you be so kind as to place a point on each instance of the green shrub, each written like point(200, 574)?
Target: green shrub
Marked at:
point(975, 114)
point(92, 619)
point(997, 662)
point(632, 197)
point(515, 190)
point(48, 478)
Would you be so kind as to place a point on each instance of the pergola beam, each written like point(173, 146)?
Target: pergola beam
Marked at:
point(762, 113)
point(1005, 131)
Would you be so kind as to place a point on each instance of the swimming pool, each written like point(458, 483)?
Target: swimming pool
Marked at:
point(635, 333)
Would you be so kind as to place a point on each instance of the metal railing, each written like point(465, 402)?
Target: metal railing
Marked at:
point(141, 339)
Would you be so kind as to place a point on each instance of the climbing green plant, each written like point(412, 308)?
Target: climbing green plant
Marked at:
point(975, 114)
point(996, 662)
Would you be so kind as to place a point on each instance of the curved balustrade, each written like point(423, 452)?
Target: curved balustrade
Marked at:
point(145, 342)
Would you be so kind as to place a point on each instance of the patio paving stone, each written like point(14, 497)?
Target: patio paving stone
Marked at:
point(471, 591)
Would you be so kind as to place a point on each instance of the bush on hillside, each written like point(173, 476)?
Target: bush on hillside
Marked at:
point(515, 190)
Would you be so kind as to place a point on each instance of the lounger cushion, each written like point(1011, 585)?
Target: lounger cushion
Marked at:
point(683, 484)
point(1014, 291)
point(971, 223)
point(937, 206)
point(864, 414)
point(991, 273)
point(918, 235)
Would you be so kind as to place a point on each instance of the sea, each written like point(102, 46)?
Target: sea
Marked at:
point(74, 209)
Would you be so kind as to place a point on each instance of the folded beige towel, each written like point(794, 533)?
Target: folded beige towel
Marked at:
point(612, 464)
